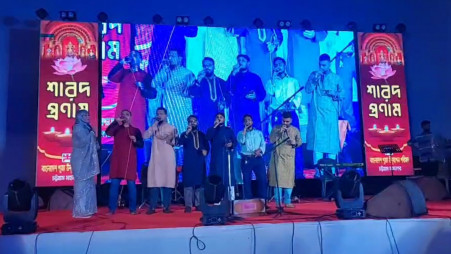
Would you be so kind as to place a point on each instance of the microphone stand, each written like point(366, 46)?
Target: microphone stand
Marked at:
point(268, 117)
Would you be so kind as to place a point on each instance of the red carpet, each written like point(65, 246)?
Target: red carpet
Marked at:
point(307, 210)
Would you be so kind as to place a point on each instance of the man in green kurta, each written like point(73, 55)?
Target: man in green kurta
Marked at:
point(322, 132)
point(283, 158)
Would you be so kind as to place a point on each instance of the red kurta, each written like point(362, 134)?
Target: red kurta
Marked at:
point(123, 160)
point(130, 97)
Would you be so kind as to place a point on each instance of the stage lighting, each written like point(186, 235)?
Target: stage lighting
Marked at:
point(349, 197)
point(21, 209)
point(157, 19)
point(208, 21)
point(401, 28)
point(284, 24)
point(258, 23)
point(42, 13)
point(102, 17)
point(352, 26)
point(182, 20)
point(68, 15)
point(306, 24)
point(379, 28)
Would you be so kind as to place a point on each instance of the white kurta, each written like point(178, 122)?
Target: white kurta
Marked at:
point(172, 88)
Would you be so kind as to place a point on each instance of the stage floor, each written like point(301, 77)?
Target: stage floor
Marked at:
point(308, 210)
point(311, 228)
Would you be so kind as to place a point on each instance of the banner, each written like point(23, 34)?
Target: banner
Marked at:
point(384, 103)
point(68, 82)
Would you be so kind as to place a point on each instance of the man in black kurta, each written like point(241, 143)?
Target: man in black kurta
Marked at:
point(195, 149)
point(210, 93)
point(223, 141)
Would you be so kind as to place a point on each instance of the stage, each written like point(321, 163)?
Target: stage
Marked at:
point(308, 228)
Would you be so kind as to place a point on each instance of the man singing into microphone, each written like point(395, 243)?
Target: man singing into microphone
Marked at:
point(279, 88)
point(322, 131)
point(195, 149)
point(210, 93)
point(223, 141)
point(123, 160)
point(253, 147)
point(247, 92)
point(161, 171)
point(135, 87)
point(282, 159)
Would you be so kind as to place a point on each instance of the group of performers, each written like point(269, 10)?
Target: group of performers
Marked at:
point(175, 91)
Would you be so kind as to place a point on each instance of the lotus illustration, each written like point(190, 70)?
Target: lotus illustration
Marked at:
point(382, 71)
point(68, 66)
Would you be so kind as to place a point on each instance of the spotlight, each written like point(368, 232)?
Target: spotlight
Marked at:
point(306, 24)
point(68, 15)
point(258, 23)
point(102, 17)
point(21, 209)
point(350, 196)
point(182, 20)
point(42, 13)
point(284, 24)
point(379, 28)
point(157, 19)
point(352, 26)
point(208, 21)
point(401, 28)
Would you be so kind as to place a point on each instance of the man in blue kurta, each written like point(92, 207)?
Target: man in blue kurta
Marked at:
point(247, 91)
point(322, 133)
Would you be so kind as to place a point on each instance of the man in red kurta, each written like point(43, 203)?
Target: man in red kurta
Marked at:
point(135, 88)
point(124, 159)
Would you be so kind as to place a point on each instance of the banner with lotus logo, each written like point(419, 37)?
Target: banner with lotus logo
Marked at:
point(385, 111)
point(68, 82)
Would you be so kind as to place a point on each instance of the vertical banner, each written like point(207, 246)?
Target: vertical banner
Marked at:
point(384, 103)
point(68, 82)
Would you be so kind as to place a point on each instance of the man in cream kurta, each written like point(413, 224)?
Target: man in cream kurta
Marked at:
point(161, 171)
point(282, 159)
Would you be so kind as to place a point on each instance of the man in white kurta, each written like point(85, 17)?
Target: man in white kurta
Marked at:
point(172, 83)
point(322, 132)
point(278, 89)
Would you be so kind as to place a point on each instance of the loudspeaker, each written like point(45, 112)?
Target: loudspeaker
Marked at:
point(403, 199)
point(432, 188)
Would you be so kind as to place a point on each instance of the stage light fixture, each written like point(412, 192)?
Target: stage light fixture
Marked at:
point(21, 208)
point(352, 26)
point(42, 13)
point(102, 17)
point(284, 24)
point(306, 24)
point(208, 21)
point(182, 20)
point(157, 19)
point(401, 28)
point(379, 28)
point(350, 197)
point(68, 15)
point(258, 23)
